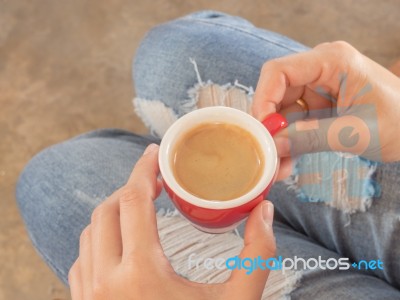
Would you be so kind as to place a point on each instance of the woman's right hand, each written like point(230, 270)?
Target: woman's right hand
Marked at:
point(120, 255)
point(345, 91)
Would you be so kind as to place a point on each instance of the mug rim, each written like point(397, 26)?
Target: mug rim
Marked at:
point(226, 115)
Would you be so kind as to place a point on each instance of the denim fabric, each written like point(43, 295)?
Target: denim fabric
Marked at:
point(62, 185)
point(225, 49)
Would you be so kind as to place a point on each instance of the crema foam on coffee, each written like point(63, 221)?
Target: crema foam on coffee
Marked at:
point(217, 161)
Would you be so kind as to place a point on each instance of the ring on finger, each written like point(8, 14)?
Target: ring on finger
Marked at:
point(304, 106)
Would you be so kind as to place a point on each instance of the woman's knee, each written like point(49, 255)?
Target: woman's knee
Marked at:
point(162, 67)
point(41, 200)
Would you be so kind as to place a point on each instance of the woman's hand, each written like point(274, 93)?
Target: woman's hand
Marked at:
point(347, 92)
point(120, 255)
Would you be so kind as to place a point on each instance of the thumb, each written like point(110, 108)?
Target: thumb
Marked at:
point(248, 280)
point(346, 133)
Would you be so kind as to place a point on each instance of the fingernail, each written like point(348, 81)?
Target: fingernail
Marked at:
point(150, 148)
point(261, 116)
point(268, 212)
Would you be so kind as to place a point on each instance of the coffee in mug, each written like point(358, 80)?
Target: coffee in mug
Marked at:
point(217, 161)
point(230, 171)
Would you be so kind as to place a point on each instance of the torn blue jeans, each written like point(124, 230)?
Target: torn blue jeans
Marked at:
point(61, 186)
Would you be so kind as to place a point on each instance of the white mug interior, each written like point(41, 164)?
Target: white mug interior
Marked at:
point(226, 115)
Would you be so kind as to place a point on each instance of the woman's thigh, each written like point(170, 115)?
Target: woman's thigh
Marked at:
point(61, 186)
point(179, 60)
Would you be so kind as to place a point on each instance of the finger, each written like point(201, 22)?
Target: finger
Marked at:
point(292, 71)
point(106, 236)
point(75, 281)
point(259, 241)
point(287, 163)
point(145, 172)
point(346, 134)
point(159, 186)
point(85, 262)
point(293, 112)
point(290, 96)
point(316, 100)
point(304, 136)
point(138, 218)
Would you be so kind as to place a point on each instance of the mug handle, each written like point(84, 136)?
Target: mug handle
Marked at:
point(275, 122)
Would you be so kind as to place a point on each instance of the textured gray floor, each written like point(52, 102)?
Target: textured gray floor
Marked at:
point(65, 69)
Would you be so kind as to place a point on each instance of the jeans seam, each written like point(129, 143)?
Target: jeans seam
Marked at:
point(243, 31)
point(48, 260)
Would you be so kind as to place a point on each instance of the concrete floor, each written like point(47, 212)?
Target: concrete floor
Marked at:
point(65, 69)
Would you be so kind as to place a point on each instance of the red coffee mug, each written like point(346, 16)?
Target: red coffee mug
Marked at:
point(220, 216)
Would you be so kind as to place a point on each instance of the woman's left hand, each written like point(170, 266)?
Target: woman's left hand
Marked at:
point(120, 255)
